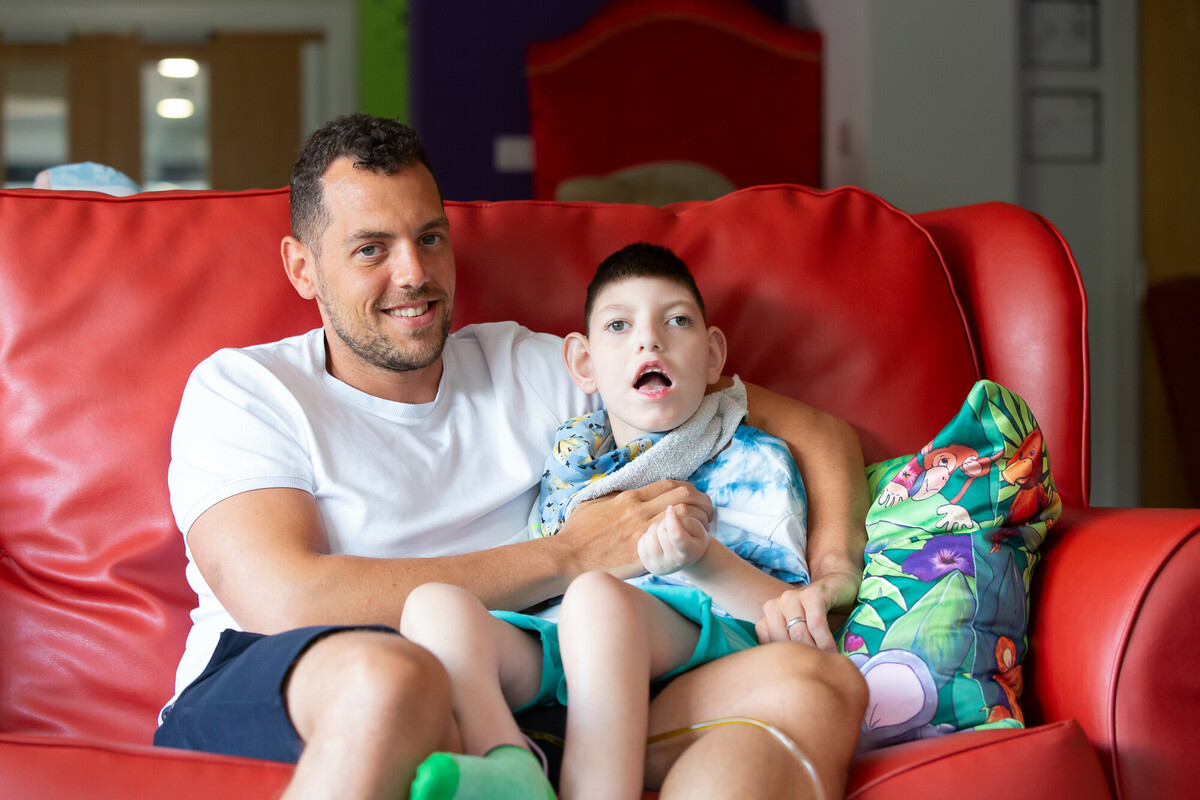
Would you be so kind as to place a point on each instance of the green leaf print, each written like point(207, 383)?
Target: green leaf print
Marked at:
point(936, 627)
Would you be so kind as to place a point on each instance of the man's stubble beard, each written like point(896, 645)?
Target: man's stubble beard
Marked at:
point(375, 348)
point(378, 350)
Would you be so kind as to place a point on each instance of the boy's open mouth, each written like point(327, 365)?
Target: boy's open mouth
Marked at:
point(652, 379)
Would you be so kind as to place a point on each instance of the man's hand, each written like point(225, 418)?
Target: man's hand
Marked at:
point(604, 532)
point(802, 614)
point(675, 542)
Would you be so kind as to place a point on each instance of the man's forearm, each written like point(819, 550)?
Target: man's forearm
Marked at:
point(829, 456)
point(265, 556)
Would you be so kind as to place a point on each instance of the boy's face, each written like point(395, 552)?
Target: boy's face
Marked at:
point(649, 355)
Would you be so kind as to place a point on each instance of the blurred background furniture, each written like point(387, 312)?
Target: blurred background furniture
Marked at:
point(1171, 306)
point(684, 90)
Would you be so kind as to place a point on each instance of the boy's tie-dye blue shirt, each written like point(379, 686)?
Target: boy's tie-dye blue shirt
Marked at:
point(756, 490)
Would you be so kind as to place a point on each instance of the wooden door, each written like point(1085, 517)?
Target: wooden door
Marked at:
point(254, 101)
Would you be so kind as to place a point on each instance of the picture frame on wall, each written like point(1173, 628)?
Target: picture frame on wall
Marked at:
point(1062, 126)
point(1061, 34)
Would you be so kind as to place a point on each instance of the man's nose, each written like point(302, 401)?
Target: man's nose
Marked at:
point(408, 270)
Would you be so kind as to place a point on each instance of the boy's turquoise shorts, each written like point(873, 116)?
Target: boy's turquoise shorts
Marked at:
point(719, 636)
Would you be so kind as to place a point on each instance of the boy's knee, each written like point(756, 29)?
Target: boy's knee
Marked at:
point(435, 604)
point(595, 593)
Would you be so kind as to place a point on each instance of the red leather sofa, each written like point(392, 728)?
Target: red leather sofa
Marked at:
point(837, 298)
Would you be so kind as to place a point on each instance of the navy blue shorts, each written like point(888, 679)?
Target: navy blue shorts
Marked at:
point(238, 705)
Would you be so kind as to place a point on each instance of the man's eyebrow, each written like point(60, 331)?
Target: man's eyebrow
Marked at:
point(358, 236)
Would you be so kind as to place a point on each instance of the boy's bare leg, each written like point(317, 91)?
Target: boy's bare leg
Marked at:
point(370, 707)
point(493, 666)
point(815, 698)
point(614, 638)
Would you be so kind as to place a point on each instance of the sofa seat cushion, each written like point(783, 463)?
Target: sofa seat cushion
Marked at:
point(1050, 761)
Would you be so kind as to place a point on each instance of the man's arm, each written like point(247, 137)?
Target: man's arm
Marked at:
point(266, 556)
point(829, 455)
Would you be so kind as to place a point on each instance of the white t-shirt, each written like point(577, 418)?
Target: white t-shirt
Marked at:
point(452, 476)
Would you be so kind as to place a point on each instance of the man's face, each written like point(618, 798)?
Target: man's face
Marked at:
point(650, 355)
point(384, 275)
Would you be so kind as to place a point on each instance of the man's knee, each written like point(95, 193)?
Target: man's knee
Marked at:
point(811, 674)
point(370, 673)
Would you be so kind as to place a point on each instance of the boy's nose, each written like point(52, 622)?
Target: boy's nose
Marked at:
point(649, 338)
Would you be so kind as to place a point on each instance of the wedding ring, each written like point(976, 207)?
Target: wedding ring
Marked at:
point(795, 621)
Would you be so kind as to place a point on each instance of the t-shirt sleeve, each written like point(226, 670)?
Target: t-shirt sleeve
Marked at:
point(238, 429)
point(539, 363)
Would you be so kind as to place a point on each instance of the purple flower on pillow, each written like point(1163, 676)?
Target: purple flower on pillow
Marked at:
point(941, 556)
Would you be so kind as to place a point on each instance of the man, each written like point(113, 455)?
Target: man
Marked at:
point(319, 479)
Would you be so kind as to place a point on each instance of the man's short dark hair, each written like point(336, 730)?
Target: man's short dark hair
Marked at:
point(379, 145)
point(639, 260)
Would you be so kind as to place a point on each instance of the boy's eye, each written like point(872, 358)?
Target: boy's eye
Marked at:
point(680, 320)
point(616, 326)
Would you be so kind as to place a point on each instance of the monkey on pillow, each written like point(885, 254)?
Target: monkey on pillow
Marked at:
point(939, 630)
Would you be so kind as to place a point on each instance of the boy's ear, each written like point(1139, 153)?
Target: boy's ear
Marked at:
point(300, 266)
point(716, 353)
point(579, 362)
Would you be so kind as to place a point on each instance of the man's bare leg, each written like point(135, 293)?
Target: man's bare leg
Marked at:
point(370, 706)
point(815, 698)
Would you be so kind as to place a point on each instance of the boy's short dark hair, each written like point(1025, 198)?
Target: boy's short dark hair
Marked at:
point(376, 144)
point(639, 260)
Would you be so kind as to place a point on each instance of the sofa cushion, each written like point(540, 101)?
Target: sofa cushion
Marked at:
point(835, 298)
point(953, 536)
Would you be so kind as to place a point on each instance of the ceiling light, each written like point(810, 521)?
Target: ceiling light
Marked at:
point(175, 108)
point(178, 68)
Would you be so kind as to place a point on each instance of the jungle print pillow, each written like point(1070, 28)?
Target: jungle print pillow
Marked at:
point(939, 630)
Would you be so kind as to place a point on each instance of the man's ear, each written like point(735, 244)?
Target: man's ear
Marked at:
point(579, 362)
point(300, 266)
point(716, 353)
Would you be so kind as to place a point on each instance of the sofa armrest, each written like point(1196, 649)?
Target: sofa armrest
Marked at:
point(1114, 642)
point(1012, 269)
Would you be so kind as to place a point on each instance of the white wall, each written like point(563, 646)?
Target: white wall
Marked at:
point(925, 105)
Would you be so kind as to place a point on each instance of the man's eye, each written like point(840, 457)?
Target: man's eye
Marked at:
point(430, 238)
point(369, 250)
point(617, 325)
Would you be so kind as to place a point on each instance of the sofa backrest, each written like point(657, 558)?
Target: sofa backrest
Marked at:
point(106, 304)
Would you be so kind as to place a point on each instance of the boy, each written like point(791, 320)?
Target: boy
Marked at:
point(651, 358)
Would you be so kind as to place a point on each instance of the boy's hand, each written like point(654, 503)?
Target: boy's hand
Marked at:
point(603, 534)
point(675, 542)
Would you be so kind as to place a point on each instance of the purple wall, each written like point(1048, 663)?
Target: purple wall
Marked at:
point(468, 82)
